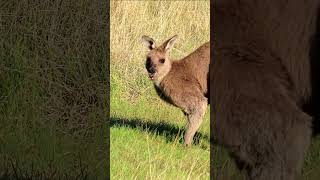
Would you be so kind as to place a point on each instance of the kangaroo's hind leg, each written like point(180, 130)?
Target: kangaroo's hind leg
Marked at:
point(195, 118)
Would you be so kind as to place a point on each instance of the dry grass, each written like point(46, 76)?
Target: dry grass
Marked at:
point(190, 20)
point(53, 80)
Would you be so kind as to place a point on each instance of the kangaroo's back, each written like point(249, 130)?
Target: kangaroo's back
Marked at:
point(196, 66)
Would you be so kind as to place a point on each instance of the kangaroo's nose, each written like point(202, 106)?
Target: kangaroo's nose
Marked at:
point(151, 70)
point(150, 67)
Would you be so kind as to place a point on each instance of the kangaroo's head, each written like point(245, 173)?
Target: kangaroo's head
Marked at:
point(158, 63)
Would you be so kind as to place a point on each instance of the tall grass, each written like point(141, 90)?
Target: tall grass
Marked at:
point(190, 20)
point(53, 89)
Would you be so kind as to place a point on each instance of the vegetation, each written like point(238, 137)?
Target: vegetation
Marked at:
point(53, 93)
point(146, 133)
point(53, 89)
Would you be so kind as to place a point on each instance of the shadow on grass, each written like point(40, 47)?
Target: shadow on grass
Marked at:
point(170, 132)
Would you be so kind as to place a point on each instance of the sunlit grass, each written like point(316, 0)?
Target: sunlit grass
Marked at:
point(146, 133)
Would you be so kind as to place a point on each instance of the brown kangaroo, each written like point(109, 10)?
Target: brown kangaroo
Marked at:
point(182, 83)
point(261, 77)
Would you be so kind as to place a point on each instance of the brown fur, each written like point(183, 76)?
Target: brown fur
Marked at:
point(260, 79)
point(182, 83)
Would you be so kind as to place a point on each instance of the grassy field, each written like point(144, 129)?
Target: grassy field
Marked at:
point(53, 89)
point(146, 133)
point(53, 93)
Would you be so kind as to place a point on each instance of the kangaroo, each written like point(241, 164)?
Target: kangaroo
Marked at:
point(182, 83)
point(262, 76)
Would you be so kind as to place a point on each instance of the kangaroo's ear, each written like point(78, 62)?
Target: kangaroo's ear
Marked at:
point(149, 42)
point(169, 43)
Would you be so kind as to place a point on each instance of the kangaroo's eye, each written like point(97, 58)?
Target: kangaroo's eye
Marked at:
point(162, 61)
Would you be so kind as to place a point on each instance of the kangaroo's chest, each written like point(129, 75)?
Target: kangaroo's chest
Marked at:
point(165, 96)
point(176, 92)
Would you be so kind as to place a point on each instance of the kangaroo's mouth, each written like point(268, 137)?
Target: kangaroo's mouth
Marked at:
point(151, 75)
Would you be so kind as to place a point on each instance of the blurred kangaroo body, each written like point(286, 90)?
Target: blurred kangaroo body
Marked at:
point(183, 83)
point(261, 78)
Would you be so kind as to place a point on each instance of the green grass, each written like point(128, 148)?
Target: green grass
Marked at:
point(311, 170)
point(146, 143)
point(154, 158)
point(53, 79)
